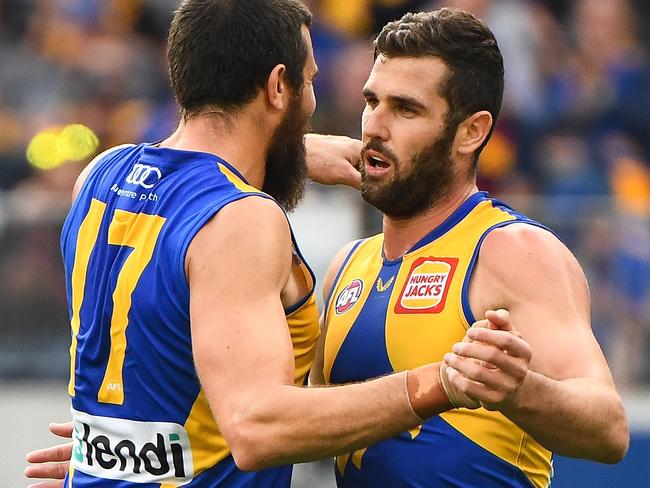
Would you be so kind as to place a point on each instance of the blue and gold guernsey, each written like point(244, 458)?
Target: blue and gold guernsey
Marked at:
point(140, 415)
point(384, 316)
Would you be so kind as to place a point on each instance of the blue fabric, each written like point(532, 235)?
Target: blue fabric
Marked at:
point(363, 354)
point(159, 379)
point(438, 457)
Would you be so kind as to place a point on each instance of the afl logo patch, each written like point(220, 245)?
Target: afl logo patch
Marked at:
point(426, 286)
point(348, 297)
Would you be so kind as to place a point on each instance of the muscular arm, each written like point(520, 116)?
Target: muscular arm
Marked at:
point(237, 267)
point(567, 400)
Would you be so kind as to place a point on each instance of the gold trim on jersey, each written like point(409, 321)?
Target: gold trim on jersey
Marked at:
point(208, 445)
point(305, 330)
point(382, 287)
point(237, 181)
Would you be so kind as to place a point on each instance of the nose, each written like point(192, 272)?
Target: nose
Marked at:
point(373, 124)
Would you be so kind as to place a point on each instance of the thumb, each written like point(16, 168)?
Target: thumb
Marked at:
point(61, 429)
point(500, 319)
point(353, 178)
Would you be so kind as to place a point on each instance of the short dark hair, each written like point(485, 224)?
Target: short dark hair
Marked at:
point(468, 48)
point(221, 52)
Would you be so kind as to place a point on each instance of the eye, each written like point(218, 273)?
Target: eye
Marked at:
point(406, 110)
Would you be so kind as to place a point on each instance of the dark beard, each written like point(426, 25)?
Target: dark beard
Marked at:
point(408, 195)
point(286, 165)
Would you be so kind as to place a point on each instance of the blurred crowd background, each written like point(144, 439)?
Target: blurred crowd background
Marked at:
point(572, 147)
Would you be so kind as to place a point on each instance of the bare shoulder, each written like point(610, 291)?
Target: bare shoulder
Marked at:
point(524, 260)
point(254, 209)
point(526, 248)
point(252, 231)
point(334, 266)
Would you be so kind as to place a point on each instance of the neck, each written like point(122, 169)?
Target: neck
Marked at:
point(239, 140)
point(400, 235)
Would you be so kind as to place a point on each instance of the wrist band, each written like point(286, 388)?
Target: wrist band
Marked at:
point(445, 387)
point(408, 397)
point(426, 393)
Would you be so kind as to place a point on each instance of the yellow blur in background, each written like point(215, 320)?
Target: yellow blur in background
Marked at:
point(55, 146)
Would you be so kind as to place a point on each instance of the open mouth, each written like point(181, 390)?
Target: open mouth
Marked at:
point(376, 162)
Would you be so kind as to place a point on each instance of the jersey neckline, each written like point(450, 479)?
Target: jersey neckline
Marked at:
point(450, 222)
point(171, 156)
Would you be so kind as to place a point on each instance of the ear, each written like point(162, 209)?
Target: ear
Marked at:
point(473, 131)
point(277, 90)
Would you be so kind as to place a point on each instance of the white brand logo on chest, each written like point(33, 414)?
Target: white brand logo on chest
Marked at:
point(144, 175)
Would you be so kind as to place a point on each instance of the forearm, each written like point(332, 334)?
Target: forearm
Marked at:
point(304, 424)
point(288, 424)
point(576, 417)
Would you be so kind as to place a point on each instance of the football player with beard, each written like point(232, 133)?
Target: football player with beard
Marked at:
point(451, 257)
point(193, 316)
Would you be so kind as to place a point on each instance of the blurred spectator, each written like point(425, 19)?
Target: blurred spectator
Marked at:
point(100, 63)
point(572, 147)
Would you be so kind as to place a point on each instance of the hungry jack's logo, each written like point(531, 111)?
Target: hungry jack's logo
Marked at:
point(426, 286)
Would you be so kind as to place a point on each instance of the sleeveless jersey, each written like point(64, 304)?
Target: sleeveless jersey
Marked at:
point(140, 415)
point(385, 316)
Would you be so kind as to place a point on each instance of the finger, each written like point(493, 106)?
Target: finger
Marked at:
point(506, 341)
point(476, 391)
point(484, 323)
point(501, 340)
point(472, 389)
point(478, 324)
point(353, 178)
point(47, 484)
point(500, 318)
point(55, 471)
point(355, 144)
point(62, 452)
point(473, 370)
point(491, 357)
point(485, 385)
point(62, 429)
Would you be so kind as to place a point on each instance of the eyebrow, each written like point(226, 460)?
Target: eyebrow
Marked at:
point(397, 99)
point(368, 93)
